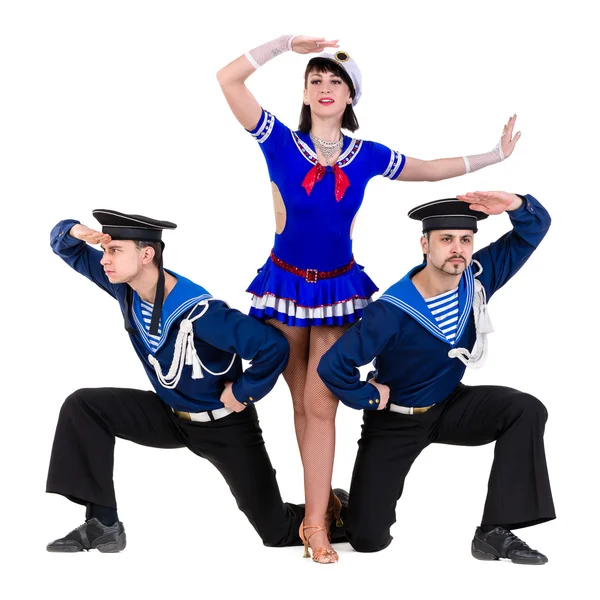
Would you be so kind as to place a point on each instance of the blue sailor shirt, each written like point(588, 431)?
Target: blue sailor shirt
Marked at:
point(400, 334)
point(218, 334)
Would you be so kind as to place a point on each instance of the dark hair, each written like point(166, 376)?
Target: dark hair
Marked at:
point(323, 65)
point(157, 246)
point(427, 236)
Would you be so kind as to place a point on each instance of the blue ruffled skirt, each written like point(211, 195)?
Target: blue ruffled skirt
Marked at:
point(281, 295)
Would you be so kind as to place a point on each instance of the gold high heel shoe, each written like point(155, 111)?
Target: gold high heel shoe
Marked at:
point(321, 555)
point(334, 509)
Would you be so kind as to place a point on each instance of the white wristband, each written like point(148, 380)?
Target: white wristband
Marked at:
point(262, 54)
point(479, 161)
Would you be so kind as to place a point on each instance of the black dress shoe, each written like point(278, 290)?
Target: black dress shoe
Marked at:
point(502, 543)
point(92, 535)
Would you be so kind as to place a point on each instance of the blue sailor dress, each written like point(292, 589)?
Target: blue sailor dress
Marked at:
point(316, 237)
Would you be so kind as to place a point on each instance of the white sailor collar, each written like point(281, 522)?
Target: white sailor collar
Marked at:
point(184, 295)
point(406, 297)
point(350, 149)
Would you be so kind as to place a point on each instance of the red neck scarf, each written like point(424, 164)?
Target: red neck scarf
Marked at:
point(316, 174)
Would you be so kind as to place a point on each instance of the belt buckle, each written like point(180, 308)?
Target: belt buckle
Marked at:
point(311, 275)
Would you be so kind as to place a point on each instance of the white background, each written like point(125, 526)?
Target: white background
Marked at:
point(116, 105)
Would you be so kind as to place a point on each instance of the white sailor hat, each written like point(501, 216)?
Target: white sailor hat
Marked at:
point(349, 67)
point(448, 213)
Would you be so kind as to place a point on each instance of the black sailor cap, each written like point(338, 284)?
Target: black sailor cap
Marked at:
point(448, 213)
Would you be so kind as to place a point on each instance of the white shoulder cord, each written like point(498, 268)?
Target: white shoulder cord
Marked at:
point(185, 353)
point(483, 326)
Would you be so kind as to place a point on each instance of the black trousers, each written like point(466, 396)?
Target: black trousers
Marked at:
point(81, 464)
point(518, 489)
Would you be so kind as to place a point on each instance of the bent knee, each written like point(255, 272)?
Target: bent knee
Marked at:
point(367, 542)
point(278, 538)
point(76, 400)
point(367, 537)
point(532, 408)
point(322, 408)
point(276, 543)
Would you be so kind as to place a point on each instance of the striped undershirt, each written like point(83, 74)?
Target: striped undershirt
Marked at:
point(444, 309)
point(146, 313)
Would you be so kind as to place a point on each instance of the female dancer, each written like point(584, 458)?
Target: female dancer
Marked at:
point(310, 287)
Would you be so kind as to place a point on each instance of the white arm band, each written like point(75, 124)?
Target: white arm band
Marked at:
point(479, 161)
point(262, 54)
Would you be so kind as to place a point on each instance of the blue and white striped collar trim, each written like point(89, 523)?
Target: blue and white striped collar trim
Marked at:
point(406, 297)
point(183, 296)
point(167, 325)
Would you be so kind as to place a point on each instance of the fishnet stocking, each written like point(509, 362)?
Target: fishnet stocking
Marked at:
point(295, 372)
point(315, 408)
point(318, 445)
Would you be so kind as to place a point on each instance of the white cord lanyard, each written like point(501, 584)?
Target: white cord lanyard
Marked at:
point(483, 326)
point(185, 353)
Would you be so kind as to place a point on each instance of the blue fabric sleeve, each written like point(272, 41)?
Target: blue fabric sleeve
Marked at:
point(264, 346)
point(271, 134)
point(80, 256)
point(504, 257)
point(384, 161)
point(358, 346)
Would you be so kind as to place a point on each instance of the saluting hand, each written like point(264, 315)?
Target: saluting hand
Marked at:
point(384, 393)
point(303, 44)
point(507, 141)
point(491, 203)
point(85, 234)
point(229, 400)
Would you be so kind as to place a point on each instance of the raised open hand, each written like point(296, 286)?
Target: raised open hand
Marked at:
point(302, 44)
point(491, 203)
point(91, 236)
point(507, 141)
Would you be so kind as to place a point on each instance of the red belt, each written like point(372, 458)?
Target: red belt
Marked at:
point(311, 275)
